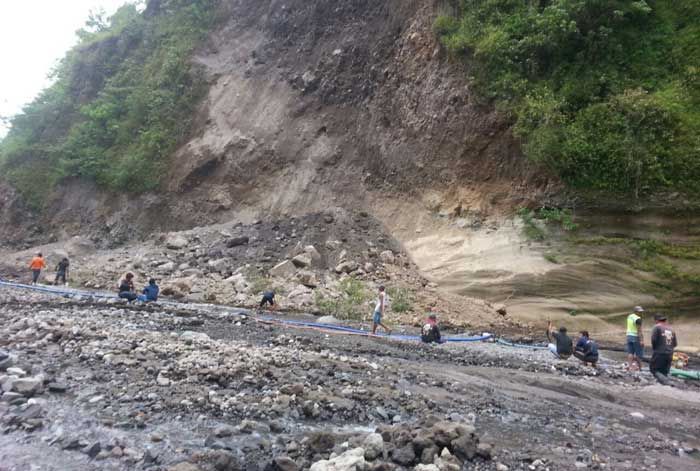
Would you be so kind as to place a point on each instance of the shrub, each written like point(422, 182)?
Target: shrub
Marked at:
point(605, 93)
point(121, 101)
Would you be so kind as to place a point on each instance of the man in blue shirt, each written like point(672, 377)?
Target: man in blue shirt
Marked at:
point(586, 349)
point(150, 292)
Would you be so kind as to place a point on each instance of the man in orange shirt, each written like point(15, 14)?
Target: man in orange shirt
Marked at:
point(36, 265)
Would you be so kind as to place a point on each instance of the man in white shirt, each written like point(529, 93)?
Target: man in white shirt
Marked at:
point(379, 311)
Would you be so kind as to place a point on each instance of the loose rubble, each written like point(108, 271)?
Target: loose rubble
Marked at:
point(99, 385)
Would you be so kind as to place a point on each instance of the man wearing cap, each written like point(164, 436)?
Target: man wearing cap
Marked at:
point(663, 342)
point(635, 339)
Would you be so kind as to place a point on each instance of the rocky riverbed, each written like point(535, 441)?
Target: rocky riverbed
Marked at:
point(91, 384)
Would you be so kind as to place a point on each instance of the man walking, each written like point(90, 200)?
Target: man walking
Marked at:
point(663, 342)
point(635, 340)
point(379, 309)
point(36, 265)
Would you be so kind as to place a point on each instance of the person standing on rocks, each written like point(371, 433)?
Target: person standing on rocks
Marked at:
point(126, 288)
point(663, 343)
point(586, 349)
point(564, 346)
point(379, 310)
point(635, 340)
point(36, 265)
point(62, 271)
point(268, 298)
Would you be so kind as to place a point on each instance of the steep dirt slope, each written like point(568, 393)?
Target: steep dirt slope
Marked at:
point(313, 104)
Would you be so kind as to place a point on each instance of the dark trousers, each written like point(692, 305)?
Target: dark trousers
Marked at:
point(661, 363)
point(129, 295)
point(586, 358)
point(60, 277)
point(267, 300)
point(35, 275)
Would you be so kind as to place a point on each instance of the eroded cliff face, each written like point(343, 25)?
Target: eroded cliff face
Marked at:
point(317, 104)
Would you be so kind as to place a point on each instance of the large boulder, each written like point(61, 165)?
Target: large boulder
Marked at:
point(28, 386)
point(374, 446)
point(307, 278)
point(445, 432)
point(346, 267)
point(238, 281)
point(283, 270)
point(302, 261)
point(176, 241)
point(351, 460)
point(387, 257)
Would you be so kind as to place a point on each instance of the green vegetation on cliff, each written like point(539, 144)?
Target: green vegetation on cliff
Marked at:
point(604, 92)
point(120, 103)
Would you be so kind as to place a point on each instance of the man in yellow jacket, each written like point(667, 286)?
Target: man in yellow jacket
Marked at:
point(635, 340)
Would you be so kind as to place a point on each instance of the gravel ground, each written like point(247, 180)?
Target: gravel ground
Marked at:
point(101, 385)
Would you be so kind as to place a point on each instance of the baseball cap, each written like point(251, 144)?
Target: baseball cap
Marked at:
point(638, 309)
point(659, 317)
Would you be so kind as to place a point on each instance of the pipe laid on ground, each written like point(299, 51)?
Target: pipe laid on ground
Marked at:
point(269, 319)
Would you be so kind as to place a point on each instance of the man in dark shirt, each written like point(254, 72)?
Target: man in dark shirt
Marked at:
point(663, 342)
point(62, 271)
point(586, 349)
point(564, 347)
point(430, 333)
point(268, 298)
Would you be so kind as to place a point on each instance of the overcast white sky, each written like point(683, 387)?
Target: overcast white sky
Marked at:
point(34, 35)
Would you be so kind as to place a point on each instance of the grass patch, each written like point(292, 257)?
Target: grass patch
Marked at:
point(401, 299)
point(551, 258)
point(351, 303)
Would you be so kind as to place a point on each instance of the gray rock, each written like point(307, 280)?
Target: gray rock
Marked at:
point(224, 431)
point(346, 267)
point(351, 460)
point(283, 270)
point(176, 241)
point(302, 261)
point(237, 241)
point(28, 386)
point(307, 279)
point(387, 257)
point(327, 320)
point(11, 396)
point(93, 450)
point(464, 447)
point(225, 461)
point(191, 336)
point(285, 463)
point(311, 251)
point(374, 446)
point(404, 456)
point(57, 387)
